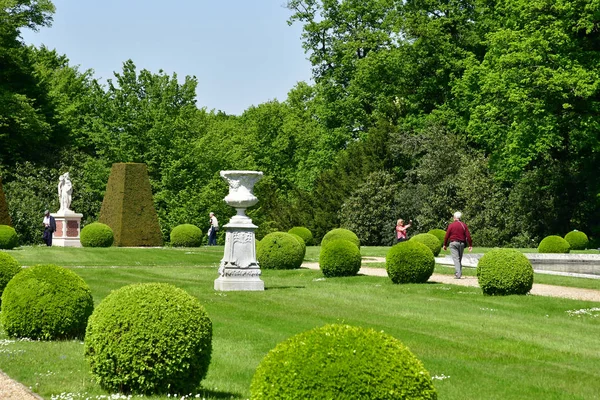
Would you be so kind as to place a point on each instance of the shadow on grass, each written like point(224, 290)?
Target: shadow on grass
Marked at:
point(217, 394)
point(284, 287)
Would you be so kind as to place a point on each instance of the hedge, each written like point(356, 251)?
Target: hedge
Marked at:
point(340, 233)
point(504, 271)
point(339, 258)
point(554, 244)
point(9, 267)
point(577, 240)
point(96, 234)
point(186, 235)
point(409, 262)
point(304, 233)
point(279, 250)
point(8, 237)
point(438, 233)
point(430, 241)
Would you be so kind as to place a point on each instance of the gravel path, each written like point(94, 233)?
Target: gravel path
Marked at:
point(12, 390)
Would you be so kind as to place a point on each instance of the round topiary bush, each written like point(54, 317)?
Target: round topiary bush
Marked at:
point(341, 362)
point(279, 250)
point(430, 241)
point(97, 234)
point(340, 233)
point(186, 235)
point(46, 302)
point(149, 338)
point(302, 243)
point(304, 233)
point(8, 237)
point(339, 258)
point(438, 233)
point(504, 271)
point(554, 244)
point(9, 267)
point(577, 240)
point(409, 262)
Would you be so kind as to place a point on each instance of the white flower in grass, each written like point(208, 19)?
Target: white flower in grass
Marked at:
point(592, 312)
point(440, 377)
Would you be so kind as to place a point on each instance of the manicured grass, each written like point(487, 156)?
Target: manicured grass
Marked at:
point(514, 347)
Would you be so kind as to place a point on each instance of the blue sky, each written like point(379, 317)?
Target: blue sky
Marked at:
point(242, 52)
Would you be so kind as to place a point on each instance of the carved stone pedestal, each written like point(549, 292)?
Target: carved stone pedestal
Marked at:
point(68, 228)
point(239, 269)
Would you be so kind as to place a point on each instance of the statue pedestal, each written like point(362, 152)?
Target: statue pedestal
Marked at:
point(68, 227)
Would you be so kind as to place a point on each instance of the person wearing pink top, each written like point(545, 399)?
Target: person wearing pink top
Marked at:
point(458, 236)
point(401, 230)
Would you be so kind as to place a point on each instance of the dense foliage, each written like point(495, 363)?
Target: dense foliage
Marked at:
point(279, 250)
point(409, 262)
point(438, 233)
point(304, 233)
point(554, 244)
point(4, 215)
point(46, 302)
point(339, 258)
point(372, 363)
point(340, 233)
point(152, 324)
point(186, 235)
point(577, 240)
point(430, 241)
point(302, 243)
point(96, 234)
point(8, 237)
point(9, 267)
point(504, 272)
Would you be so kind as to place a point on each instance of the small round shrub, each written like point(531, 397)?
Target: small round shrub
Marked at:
point(46, 302)
point(8, 237)
point(96, 234)
point(553, 244)
point(186, 235)
point(504, 271)
point(341, 362)
point(430, 241)
point(339, 258)
point(9, 267)
point(149, 338)
point(304, 233)
point(340, 233)
point(302, 243)
point(577, 240)
point(438, 233)
point(279, 250)
point(409, 262)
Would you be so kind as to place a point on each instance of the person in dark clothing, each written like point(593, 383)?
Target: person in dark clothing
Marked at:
point(458, 236)
point(49, 227)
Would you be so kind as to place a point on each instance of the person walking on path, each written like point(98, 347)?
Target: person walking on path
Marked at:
point(401, 230)
point(49, 227)
point(212, 231)
point(458, 236)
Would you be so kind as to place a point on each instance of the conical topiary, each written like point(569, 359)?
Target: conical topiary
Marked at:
point(128, 207)
point(4, 215)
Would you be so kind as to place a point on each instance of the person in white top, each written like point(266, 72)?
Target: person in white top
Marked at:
point(212, 231)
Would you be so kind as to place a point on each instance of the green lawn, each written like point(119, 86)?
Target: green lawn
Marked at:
point(514, 347)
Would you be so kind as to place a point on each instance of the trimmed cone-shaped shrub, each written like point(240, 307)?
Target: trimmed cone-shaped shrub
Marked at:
point(430, 241)
point(149, 338)
point(186, 235)
point(4, 215)
point(96, 234)
point(128, 207)
point(577, 240)
point(302, 243)
point(9, 267)
point(438, 233)
point(340, 233)
point(504, 271)
point(339, 258)
point(553, 244)
point(409, 262)
point(46, 302)
point(279, 250)
point(341, 362)
point(304, 233)
point(8, 237)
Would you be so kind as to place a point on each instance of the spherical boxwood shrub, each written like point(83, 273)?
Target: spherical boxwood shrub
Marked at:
point(341, 362)
point(46, 302)
point(304, 233)
point(8, 237)
point(340, 233)
point(149, 338)
point(186, 235)
point(409, 262)
point(97, 234)
point(577, 240)
point(279, 250)
point(9, 267)
point(339, 258)
point(554, 244)
point(430, 241)
point(504, 271)
point(438, 233)
point(302, 243)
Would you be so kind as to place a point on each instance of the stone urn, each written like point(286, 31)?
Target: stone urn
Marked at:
point(239, 269)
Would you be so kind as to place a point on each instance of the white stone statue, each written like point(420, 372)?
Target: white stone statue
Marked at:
point(65, 191)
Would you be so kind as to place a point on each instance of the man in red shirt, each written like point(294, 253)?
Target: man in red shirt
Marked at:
point(458, 236)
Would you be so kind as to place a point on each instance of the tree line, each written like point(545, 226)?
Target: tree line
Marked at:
point(418, 108)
